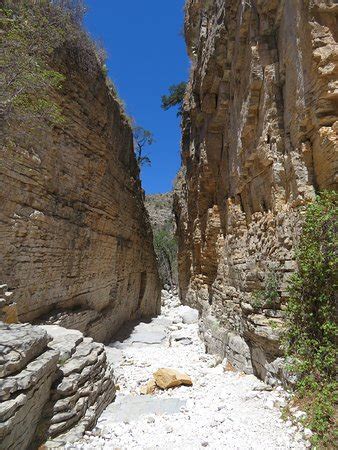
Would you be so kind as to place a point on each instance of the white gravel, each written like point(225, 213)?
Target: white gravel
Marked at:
point(224, 409)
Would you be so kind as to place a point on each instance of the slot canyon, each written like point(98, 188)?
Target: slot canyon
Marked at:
point(135, 320)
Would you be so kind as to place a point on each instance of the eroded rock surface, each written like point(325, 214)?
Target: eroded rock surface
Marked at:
point(76, 243)
point(54, 384)
point(28, 368)
point(259, 139)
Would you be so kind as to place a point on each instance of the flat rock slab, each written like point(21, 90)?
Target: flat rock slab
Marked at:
point(127, 408)
point(20, 344)
point(114, 355)
point(161, 321)
point(149, 335)
point(64, 340)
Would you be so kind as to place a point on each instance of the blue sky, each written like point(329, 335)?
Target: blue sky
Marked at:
point(146, 54)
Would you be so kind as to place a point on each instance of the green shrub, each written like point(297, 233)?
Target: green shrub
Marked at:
point(269, 296)
point(26, 79)
point(175, 97)
point(311, 331)
point(166, 251)
point(33, 33)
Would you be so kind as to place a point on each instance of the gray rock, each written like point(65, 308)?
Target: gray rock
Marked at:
point(32, 408)
point(29, 377)
point(181, 337)
point(24, 394)
point(189, 315)
point(19, 344)
point(127, 408)
point(63, 340)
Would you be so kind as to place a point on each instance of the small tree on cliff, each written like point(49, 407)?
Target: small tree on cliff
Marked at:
point(175, 97)
point(142, 138)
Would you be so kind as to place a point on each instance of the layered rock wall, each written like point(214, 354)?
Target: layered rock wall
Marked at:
point(51, 379)
point(76, 244)
point(260, 129)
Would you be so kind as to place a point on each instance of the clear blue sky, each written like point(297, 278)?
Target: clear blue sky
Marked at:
point(146, 54)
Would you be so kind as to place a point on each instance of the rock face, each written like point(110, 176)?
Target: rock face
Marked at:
point(259, 139)
point(51, 379)
point(76, 243)
point(8, 309)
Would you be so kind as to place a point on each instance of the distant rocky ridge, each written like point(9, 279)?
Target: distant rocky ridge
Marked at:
point(160, 209)
point(260, 129)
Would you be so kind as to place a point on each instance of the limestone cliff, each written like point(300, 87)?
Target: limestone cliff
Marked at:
point(76, 242)
point(260, 128)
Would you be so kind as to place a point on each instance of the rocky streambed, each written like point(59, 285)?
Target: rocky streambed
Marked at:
point(222, 409)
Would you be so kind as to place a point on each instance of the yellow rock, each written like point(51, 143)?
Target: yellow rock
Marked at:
point(10, 314)
point(148, 388)
point(168, 378)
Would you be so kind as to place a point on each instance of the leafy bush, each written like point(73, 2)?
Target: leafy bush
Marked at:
point(269, 296)
point(310, 338)
point(26, 80)
point(32, 34)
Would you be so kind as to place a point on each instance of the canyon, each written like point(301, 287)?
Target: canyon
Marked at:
point(85, 324)
point(259, 140)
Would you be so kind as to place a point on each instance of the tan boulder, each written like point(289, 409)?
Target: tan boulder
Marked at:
point(168, 378)
point(148, 388)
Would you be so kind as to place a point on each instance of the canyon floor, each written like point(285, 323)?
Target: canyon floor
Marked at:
point(223, 409)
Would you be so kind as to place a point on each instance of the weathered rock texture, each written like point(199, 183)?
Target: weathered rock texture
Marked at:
point(50, 383)
point(259, 139)
point(76, 243)
point(8, 309)
point(159, 207)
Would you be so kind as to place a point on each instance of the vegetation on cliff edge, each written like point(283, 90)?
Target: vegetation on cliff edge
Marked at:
point(175, 97)
point(32, 35)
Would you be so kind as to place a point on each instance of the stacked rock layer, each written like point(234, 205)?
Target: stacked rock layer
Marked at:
point(54, 383)
point(260, 127)
point(76, 243)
